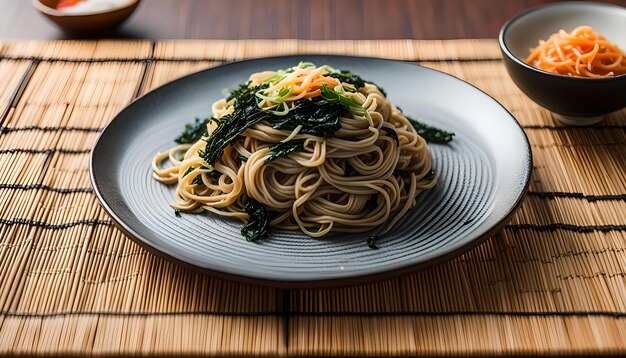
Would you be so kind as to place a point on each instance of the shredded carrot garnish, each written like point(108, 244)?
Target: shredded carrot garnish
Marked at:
point(301, 82)
point(580, 53)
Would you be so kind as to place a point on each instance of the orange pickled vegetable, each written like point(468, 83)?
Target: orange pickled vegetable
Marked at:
point(62, 4)
point(580, 53)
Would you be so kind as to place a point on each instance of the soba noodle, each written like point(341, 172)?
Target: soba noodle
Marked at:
point(362, 177)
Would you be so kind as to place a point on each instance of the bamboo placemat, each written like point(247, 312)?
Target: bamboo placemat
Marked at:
point(553, 281)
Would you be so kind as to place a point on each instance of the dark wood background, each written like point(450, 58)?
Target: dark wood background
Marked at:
point(304, 19)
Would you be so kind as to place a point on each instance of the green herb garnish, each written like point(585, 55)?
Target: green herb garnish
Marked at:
point(351, 78)
point(431, 134)
point(193, 131)
point(213, 174)
point(317, 117)
point(337, 97)
point(371, 242)
point(197, 179)
point(230, 126)
point(349, 102)
point(283, 148)
point(242, 89)
point(258, 225)
point(189, 170)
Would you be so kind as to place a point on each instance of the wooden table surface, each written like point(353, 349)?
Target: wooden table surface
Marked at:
point(303, 19)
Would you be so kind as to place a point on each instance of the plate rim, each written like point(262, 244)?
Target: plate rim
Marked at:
point(326, 282)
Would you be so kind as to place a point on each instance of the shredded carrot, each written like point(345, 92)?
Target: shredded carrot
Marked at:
point(301, 82)
point(580, 53)
point(304, 80)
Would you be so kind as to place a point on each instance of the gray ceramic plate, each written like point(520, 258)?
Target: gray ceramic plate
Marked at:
point(483, 175)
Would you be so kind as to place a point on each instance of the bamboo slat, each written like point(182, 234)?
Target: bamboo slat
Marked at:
point(103, 49)
point(11, 72)
point(553, 281)
point(407, 50)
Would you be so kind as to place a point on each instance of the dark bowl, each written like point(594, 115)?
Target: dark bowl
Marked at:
point(573, 100)
point(95, 22)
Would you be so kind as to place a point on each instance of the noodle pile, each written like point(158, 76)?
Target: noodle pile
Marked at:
point(366, 175)
point(580, 53)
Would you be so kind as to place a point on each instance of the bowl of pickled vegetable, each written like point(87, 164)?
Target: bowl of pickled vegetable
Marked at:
point(86, 16)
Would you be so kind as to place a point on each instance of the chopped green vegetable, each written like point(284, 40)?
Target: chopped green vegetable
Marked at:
point(189, 170)
point(348, 77)
point(193, 131)
point(242, 158)
point(431, 134)
point(258, 221)
point(317, 117)
point(197, 179)
point(276, 77)
point(177, 213)
point(279, 98)
point(348, 102)
point(351, 78)
point(237, 92)
point(336, 97)
point(371, 242)
point(283, 148)
point(245, 114)
point(214, 174)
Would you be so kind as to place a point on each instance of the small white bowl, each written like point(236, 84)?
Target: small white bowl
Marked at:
point(85, 23)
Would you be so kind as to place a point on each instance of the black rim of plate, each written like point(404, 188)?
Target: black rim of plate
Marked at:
point(332, 282)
